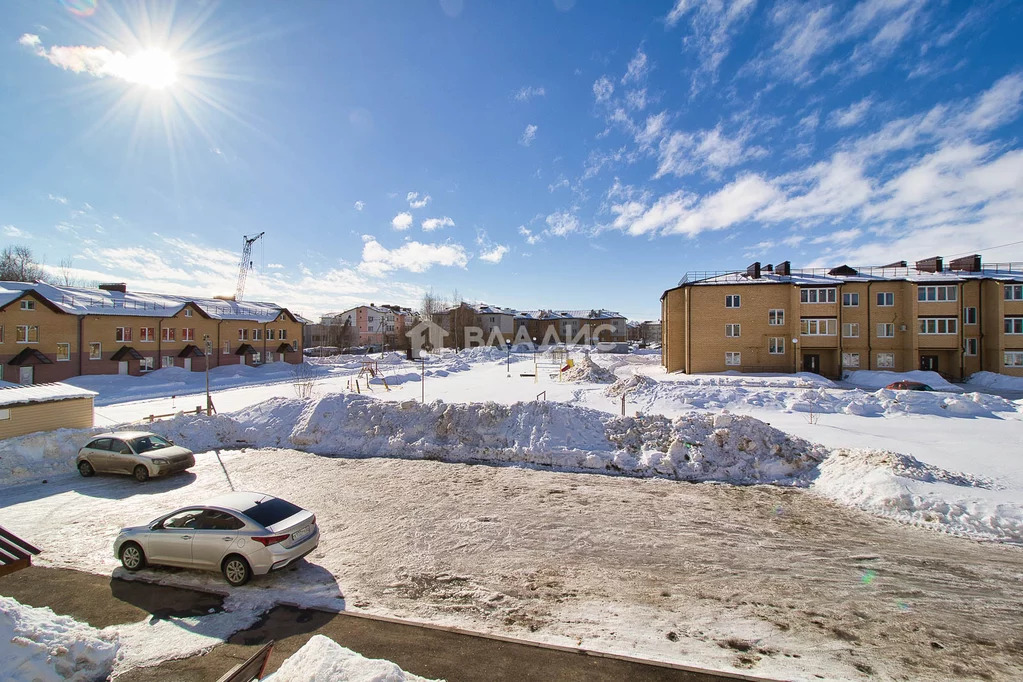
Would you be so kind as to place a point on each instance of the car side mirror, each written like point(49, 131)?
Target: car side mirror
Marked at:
point(156, 525)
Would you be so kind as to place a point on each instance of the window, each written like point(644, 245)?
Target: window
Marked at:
point(147, 334)
point(732, 301)
point(188, 312)
point(939, 325)
point(270, 334)
point(122, 334)
point(284, 334)
point(257, 334)
point(63, 352)
point(943, 293)
point(26, 333)
point(243, 334)
point(5, 414)
point(817, 295)
point(1013, 358)
point(227, 348)
point(95, 350)
point(28, 305)
point(776, 345)
point(294, 346)
point(256, 358)
point(850, 360)
point(146, 364)
point(731, 330)
point(851, 330)
point(168, 333)
point(1014, 325)
point(885, 299)
point(733, 359)
point(969, 316)
point(818, 326)
point(885, 360)
point(167, 361)
point(972, 345)
point(1014, 292)
point(886, 330)
point(370, 318)
point(1, 333)
point(776, 317)
point(188, 333)
point(850, 300)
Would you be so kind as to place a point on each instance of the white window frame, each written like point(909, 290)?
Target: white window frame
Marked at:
point(818, 326)
point(227, 348)
point(733, 300)
point(970, 315)
point(937, 294)
point(733, 359)
point(28, 305)
point(243, 334)
point(851, 360)
point(776, 345)
point(885, 299)
point(939, 326)
point(828, 294)
point(850, 330)
point(166, 361)
point(188, 333)
point(1013, 325)
point(886, 360)
point(269, 333)
point(883, 327)
point(1013, 292)
point(188, 312)
point(972, 346)
point(169, 334)
point(145, 364)
point(733, 330)
point(256, 358)
point(1013, 358)
point(28, 332)
point(257, 334)
point(776, 317)
point(66, 347)
point(95, 350)
point(147, 334)
point(122, 334)
point(284, 334)
point(851, 299)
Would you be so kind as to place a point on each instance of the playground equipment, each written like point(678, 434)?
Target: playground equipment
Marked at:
point(370, 369)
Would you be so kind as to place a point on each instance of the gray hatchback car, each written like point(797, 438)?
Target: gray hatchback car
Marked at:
point(137, 453)
point(240, 534)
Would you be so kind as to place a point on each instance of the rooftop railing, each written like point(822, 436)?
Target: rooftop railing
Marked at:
point(877, 271)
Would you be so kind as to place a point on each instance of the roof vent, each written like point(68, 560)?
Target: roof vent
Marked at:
point(753, 270)
point(843, 271)
point(784, 268)
point(966, 264)
point(896, 264)
point(116, 286)
point(929, 264)
point(768, 268)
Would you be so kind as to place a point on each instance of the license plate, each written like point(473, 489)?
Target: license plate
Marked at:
point(302, 533)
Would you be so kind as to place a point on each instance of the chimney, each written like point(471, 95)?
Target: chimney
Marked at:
point(966, 264)
point(117, 286)
point(784, 268)
point(929, 264)
point(768, 268)
point(754, 270)
point(896, 264)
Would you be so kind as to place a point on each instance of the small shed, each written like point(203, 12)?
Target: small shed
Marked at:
point(43, 407)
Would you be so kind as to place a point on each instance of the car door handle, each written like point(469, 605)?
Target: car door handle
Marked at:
point(228, 539)
point(186, 537)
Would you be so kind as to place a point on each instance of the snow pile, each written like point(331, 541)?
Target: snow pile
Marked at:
point(321, 659)
point(733, 378)
point(38, 645)
point(903, 488)
point(637, 382)
point(996, 381)
point(879, 379)
point(41, 454)
point(587, 370)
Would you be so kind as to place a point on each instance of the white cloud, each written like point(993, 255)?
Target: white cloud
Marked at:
point(415, 201)
point(714, 25)
point(495, 254)
point(528, 135)
point(684, 153)
point(402, 221)
point(603, 88)
point(832, 187)
point(561, 224)
point(637, 69)
point(528, 92)
point(275, 266)
point(58, 199)
point(431, 224)
point(531, 238)
point(636, 99)
point(12, 231)
point(411, 256)
point(146, 67)
point(851, 115)
point(359, 205)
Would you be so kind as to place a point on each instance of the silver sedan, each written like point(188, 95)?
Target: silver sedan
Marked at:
point(240, 534)
point(138, 453)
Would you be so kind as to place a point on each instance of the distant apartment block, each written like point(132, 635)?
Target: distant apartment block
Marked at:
point(955, 320)
point(51, 333)
point(498, 325)
point(365, 325)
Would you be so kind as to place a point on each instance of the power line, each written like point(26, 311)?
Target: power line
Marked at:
point(988, 248)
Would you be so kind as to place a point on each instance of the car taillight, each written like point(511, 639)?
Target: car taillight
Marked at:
point(271, 539)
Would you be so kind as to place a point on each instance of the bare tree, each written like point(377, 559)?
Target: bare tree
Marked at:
point(430, 306)
point(17, 264)
point(65, 276)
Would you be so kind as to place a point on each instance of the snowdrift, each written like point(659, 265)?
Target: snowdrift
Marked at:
point(321, 659)
point(587, 370)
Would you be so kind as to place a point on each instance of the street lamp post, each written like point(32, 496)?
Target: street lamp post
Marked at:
point(209, 352)
point(536, 366)
point(795, 356)
point(507, 343)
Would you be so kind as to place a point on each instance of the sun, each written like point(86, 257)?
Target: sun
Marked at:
point(152, 67)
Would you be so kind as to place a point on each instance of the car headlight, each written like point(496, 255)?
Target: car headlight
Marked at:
point(159, 460)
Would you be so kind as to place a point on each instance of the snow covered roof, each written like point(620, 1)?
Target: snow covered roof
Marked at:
point(13, 394)
point(599, 314)
point(81, 301)
point(1008, 272)
point(484, 309)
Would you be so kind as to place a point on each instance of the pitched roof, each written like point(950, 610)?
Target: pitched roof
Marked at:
point(41, 393)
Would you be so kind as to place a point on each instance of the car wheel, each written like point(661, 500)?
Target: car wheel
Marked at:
point(236, 570)
point(141, 474)
point(85, 469)
point(132, 556)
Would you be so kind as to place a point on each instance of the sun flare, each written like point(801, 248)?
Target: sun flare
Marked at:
point(153, 68)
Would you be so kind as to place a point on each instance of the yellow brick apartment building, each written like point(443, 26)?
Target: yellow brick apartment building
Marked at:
point(955, 320)
point(51, 333)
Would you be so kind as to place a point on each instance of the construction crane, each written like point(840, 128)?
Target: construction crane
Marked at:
point(246, 264)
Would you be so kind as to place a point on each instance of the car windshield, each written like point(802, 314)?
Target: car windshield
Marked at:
point(147, 443)
point(270, 511)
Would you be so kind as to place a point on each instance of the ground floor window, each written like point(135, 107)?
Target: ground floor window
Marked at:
point(168, 361)
point(971, 346)
point(1014, 358)
point(733, 359)
point(776, 345)
point(227, 348)
point(95, 350)
point(850, 359)
point(146, 364)
point(63, 352)
point(885, 360)
point(256, 358)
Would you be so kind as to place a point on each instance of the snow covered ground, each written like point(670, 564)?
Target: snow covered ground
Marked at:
point(911, 457)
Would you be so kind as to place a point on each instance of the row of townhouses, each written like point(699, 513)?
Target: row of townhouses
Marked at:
point(956, 319)
point(51, 333)
point(481, 323)
point(370, 325)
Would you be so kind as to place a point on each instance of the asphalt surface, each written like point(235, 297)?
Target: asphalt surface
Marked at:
point(430, 652)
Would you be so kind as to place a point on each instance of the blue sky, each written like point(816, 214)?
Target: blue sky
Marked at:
point(531, 154)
